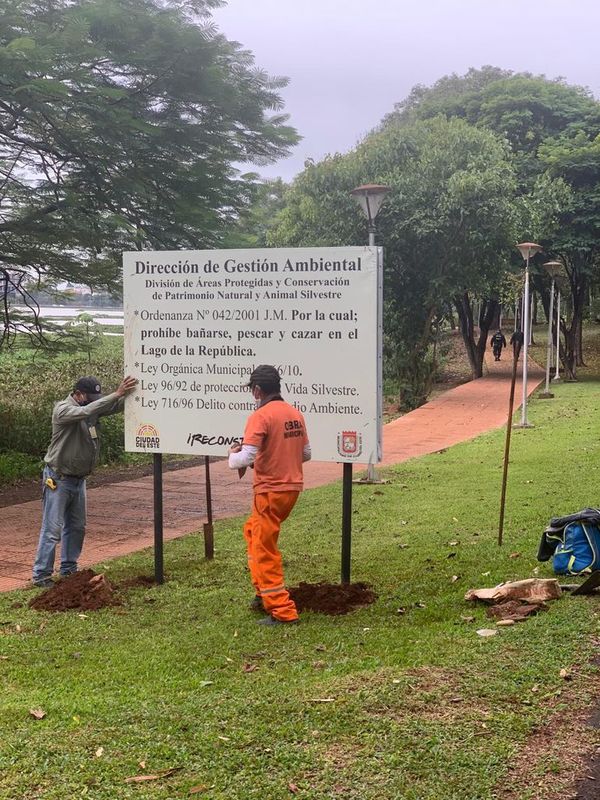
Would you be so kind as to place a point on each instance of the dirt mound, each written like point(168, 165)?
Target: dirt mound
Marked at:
point(83, 591)
point(331, 598)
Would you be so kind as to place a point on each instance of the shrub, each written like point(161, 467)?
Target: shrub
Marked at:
point(15, 466)
point(29, 389)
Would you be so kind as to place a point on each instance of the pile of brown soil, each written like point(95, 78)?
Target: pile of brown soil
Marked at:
point(83, 591)
point(331, 598)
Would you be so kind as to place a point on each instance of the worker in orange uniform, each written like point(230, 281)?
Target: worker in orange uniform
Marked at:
point(276, 443)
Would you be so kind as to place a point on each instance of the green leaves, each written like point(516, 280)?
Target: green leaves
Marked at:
point(446, 224)
point(120, 126)
point(23, 43)
point(44, 87)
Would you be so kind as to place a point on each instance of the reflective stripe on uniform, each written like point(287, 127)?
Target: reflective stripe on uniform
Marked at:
point(274, 589)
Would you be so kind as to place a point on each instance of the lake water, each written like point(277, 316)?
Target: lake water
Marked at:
point(60, 315)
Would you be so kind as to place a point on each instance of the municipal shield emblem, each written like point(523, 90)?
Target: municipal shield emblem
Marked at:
point(349, 444)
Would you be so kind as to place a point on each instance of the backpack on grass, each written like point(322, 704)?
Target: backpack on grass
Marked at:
point(573, 543)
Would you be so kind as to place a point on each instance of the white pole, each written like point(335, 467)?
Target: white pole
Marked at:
point(372, 476)
point(549, 347)
point(524, 423)
point(557, 374)
point(516, 311)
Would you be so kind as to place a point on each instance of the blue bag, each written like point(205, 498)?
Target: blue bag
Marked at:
point(577, 550)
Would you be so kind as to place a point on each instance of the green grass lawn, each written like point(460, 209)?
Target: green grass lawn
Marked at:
point(418, 706)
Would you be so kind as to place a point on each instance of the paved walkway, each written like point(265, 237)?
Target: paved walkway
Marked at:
point(120, 515)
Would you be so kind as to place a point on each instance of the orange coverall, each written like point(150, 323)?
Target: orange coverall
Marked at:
point(279, 432)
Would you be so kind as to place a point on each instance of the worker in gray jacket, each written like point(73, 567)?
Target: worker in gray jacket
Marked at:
point(71, 457)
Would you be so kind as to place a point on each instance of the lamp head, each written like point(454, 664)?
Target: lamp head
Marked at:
point(370, 196)
point(553, 268)
point(528, 249)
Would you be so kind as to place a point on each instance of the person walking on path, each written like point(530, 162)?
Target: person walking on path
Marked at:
point(498, 341)
point(275, 442)
point(71, 457)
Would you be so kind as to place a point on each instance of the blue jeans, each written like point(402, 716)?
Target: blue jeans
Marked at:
point(63, 516)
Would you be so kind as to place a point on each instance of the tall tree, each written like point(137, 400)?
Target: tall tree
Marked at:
point(550, 126)
point(254, 222)
point(523, 108)
point(120, 123)
point(446, 223)
point(575, 158)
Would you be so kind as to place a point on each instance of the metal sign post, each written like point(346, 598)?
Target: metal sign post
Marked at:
point(209, 542)
point(158, 519)
point(346, 522)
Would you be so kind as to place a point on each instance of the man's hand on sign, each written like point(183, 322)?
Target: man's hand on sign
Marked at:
point(127, 385)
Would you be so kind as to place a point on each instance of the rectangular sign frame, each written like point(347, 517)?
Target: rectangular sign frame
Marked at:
point(197, 323)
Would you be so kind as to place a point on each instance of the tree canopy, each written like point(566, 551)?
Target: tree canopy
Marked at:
point(524, 108)
point(120, 125)
point(475, 163)
point(446, 224)
point(552, 129)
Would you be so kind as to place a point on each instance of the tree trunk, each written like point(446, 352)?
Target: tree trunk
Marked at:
point(580, 361)
point(569, 355)
point(574, 333)
point(489, 310)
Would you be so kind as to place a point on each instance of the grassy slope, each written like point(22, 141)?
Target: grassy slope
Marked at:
point(423, 708)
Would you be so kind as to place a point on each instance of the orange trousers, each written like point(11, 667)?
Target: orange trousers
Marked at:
point(261, 533)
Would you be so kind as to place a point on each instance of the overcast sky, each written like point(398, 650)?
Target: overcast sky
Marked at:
point(349, 61)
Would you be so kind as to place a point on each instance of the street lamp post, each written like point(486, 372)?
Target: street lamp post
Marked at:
point(556, 378)
point(370, 197)
point(527, 249)
point(553, 268)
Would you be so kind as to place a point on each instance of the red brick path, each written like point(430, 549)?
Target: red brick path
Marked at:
point(120, 515)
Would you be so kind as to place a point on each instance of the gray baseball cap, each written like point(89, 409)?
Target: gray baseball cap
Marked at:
point(265, 376)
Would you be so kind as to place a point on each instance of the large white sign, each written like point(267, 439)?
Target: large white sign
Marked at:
point(198, 322)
